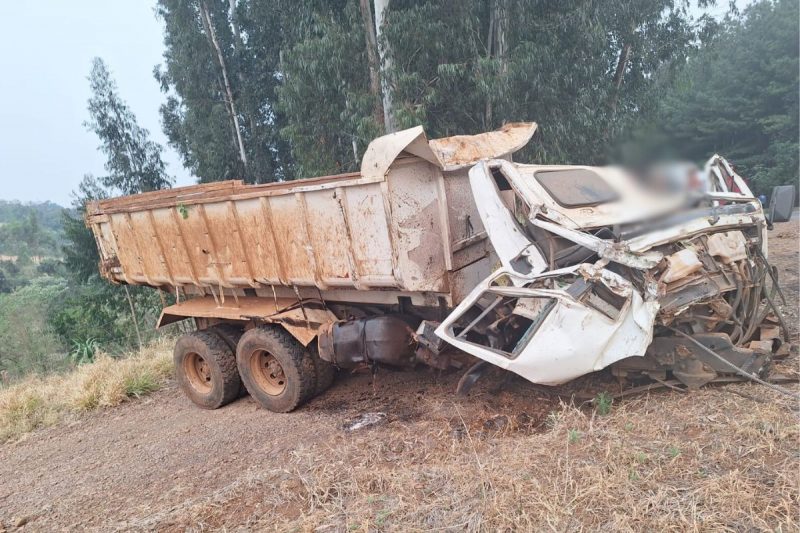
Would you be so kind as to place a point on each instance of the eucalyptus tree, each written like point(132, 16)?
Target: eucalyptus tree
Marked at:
point(738, 96)
point(221, 67)
point(312, 81)
point(133, 161)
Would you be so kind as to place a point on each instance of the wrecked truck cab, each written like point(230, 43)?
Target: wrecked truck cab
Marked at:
point(596, 263)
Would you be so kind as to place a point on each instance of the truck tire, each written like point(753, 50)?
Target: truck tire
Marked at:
point(231, 335)
point(205, 369)
point(276, 369)
point(325, 371)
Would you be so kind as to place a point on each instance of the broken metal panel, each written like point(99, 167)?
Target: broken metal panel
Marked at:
point(723, 178)
point(382, 152)
point(694, 227)
point(614, 251)
point(576, 336)
point(507, 237)
point(465, 150)
point(692, 365)
point(628, 200)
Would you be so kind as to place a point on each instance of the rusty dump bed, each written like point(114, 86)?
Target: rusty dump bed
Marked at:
point(407, 223)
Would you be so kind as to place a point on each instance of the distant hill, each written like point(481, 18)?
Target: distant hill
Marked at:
point(31, 229)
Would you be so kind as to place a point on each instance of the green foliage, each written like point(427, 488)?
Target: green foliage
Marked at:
point(48, 214)
point(738, 96)
point(98, 310)
point(83, 351)
point(81, 257)
point(28, 342)
point(196, 116)
point(32, 229)
point(133, 161)
point(139, 384)
point(329, 68)
point(300, 77)
point(603, 402)
point(573, 436)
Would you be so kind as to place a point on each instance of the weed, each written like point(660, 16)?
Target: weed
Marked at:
point(83, 351)
point(640, 457)
point(140, 384)
point(673, 451)
point(603, 402)
point(574, 436)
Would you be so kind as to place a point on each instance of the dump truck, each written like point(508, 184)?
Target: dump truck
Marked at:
point(445, 250)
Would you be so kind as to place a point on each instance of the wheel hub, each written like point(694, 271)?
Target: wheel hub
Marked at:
point(268, 372)
point(198, 372)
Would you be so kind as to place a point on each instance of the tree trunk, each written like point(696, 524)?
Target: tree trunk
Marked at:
point(237, 36)
point(619, 74)
point(497, 47)
point(386, 64)
point(372, 57)
point(133, 316)
point(212, 35)
point(250, 110)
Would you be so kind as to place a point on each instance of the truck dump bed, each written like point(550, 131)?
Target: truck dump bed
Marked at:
point(406, 223)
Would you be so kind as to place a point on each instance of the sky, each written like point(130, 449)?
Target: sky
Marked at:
point(47, 50)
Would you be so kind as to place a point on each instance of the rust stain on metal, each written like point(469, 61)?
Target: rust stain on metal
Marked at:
point(462, 150)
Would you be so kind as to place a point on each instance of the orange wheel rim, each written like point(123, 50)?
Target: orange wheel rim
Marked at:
point(267, 372)
point(197, 372)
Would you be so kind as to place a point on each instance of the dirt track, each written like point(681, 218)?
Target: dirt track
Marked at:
point(140, 464)
point(161, 463)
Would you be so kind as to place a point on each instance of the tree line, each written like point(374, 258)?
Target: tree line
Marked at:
point(267, 90)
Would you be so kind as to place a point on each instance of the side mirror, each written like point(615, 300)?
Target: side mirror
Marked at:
point(781, 204)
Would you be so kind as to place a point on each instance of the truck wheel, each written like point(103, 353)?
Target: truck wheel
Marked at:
point(277, 371)
point(231, 335)
point(325, 371)
point(205, 368)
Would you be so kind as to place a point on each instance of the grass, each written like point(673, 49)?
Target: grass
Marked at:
point(603, 403)
point(43, 401)
point(698, 461)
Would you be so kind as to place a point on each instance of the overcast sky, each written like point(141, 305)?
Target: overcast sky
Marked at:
point(47, 49)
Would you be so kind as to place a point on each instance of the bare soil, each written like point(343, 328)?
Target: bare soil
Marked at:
point(509, 456)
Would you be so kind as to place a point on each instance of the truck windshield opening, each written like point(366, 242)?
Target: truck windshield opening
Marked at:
point(576, 187)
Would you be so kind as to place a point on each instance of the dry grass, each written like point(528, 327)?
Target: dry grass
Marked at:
point(42, 401)
point(708, 460)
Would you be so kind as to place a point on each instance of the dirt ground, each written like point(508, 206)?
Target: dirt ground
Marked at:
point(510, 456)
